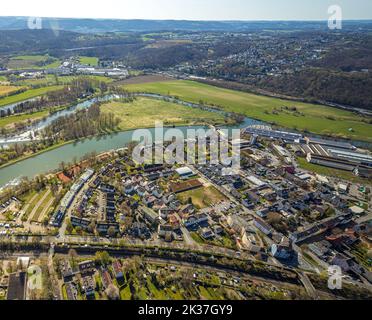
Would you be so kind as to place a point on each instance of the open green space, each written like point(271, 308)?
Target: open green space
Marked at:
point(29, 94)
point(143, 112)
point(42, 206)
point(9, 121)
point(33, 203)
point(33, 62)
point(49, 80)
point(5, 90)
point(285, 113)
point(90, 61)
point(202, 197)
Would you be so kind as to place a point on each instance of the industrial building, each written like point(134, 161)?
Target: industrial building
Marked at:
point(268, 132)
point(337, 155)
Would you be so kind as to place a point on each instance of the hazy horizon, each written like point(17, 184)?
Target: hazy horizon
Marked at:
point(192, 10)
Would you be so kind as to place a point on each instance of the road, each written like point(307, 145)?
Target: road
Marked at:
point(303, 263)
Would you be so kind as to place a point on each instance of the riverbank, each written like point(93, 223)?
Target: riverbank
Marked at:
point(299, 116)
point(102, 135)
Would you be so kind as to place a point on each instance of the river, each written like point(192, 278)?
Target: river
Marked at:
point(50, 160)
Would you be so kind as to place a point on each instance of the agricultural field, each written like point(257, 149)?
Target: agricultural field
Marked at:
point(29, 94)
point(143, 112)
point(284, 113)
point(5, 90)
point(33, 62)
point(202, 197)
point(90, 61)
point(50, 80)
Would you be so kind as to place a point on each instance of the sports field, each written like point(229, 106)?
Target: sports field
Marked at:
point(143, 112)
point(289, 114)
point(90, 61)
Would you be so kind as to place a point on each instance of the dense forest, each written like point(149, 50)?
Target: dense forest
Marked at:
point(351, 89)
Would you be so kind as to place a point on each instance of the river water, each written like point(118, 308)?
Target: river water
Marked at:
point(50, 160)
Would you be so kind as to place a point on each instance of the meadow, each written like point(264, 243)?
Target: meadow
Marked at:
point(49, 80)
point(284, 113)
point(143, 112)
point(32, 62)
point(11, 120)
point(29, 94)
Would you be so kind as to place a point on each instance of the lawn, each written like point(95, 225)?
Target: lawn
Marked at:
point(29, 94)
point(90, 61)
point(330, 172)
point(143, 112)
point(44, 205)
point(202, 197)
point(33, 62)
point(34, 203)
point(311, 117)
point(125, 293)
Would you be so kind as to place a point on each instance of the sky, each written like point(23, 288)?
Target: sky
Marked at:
point(188, 9)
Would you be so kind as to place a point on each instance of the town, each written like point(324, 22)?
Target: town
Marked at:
point(270, 211)
point(186, 160)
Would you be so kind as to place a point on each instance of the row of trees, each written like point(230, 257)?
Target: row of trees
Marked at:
point(82, 124)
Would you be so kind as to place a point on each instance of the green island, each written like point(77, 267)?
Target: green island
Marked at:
point(143, 112)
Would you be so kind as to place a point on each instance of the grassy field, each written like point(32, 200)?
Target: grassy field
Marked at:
point(4, 90)
point(44, 205)
point(29, 94)
point(33, 203)
point(62, 80)
point(32, 62)
point(306, 117)
point(202, 197)
point(330, 172)
point(9, 121)
point(91, 61)
point(143, 112)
